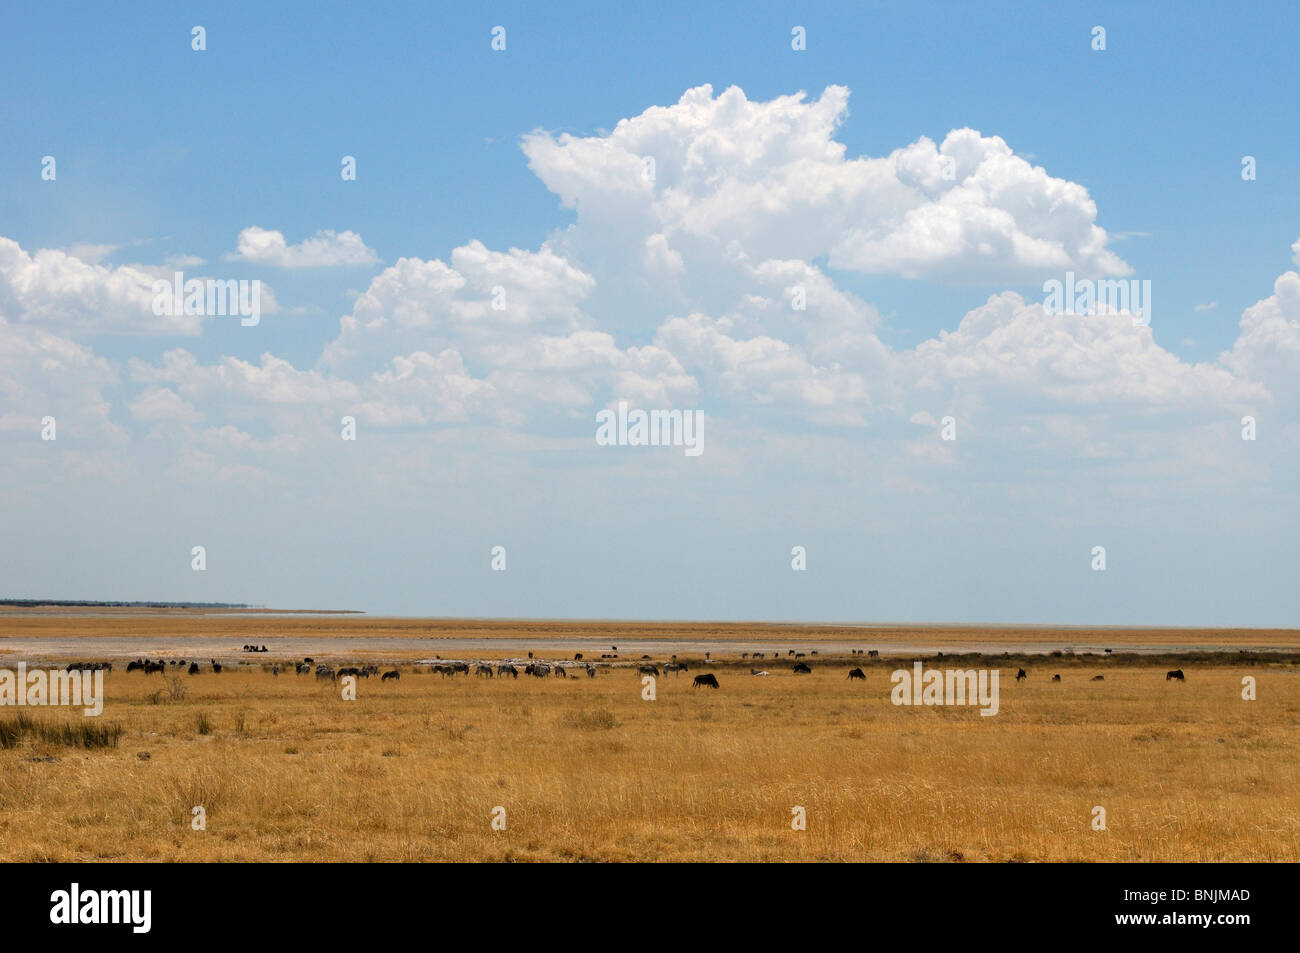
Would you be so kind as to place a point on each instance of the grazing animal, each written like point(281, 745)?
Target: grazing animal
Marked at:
point(134, 666)
point(799, 655)
point(1108, 651)
point(482, 670)
point(508, 670)
point(1099, 678)
point(302, 668)
point(707, 679)
point(801, 668)
point(1056, 678)
point(194, 668)
point(577, 656)
point(758, 655)
point(857, 673)
point(323, 672)
point(873, 654)
point(395, 675)
point(1021, 674)
point(151, 667)
point(591, 670)
point(309, 661)
point(560, 672)
point(757, 671)
point(275, 670)
point(673, 667)
point(647, 670)
point(216, 666)
point(1176, 673)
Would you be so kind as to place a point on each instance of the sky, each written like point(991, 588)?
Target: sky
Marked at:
point(828, 228)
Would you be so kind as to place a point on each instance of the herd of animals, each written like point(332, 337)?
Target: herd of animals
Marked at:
point(535, 668)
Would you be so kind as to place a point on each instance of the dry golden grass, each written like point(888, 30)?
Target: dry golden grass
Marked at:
point(587, 770)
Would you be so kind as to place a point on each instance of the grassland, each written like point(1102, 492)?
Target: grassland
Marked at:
point(266, 626)
point(587, 770)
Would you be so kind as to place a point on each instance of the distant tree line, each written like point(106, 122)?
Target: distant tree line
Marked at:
point(90, 604)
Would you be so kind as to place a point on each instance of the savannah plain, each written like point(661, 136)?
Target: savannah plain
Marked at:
point(585, 769)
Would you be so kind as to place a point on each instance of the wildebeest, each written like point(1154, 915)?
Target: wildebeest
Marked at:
point(1175, 673)
point(873, 654)
point(395, 674)
point(758, 655)
point(1056, 678)
point(508, 670)
point(309, 661)
point(707, 679)
point(577, 656)
point(1099, 678)
point(801, 668)
point(216, 666)
point(350, 670)
point(151, 667)
point(591, 670)
point(323, 672)
point(1021, 674)
point(194, 668)
point(857, 673)
point(648, 670)
point(674, 667)
point(302, 668)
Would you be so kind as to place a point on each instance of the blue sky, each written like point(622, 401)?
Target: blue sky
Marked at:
point(164, 151)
